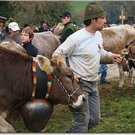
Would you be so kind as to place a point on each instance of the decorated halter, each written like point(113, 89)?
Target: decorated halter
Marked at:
point(127, 45)
point(49, 81)
point(69, 96)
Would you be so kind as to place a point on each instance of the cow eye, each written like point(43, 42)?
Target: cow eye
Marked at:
point(70, 77)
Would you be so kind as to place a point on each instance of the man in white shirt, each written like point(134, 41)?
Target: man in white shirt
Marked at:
point(84, 50)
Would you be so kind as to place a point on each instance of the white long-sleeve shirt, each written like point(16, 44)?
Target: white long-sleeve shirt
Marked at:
point(84, 51)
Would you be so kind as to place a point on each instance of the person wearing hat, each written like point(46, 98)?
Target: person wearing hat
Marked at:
point(43, 26)
point(84, 49)
point(12, 28)
point(69, 28)
point(26, 26)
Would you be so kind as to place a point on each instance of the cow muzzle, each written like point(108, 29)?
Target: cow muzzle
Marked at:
point(81, 99)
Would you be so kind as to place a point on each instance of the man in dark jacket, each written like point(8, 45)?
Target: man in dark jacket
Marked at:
point(69, 28)
point(43, 26)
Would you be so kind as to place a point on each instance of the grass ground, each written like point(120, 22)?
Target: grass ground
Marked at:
point(117, 112)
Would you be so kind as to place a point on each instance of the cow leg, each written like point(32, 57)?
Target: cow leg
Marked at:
point(130, 85)
point(13, 116)
point(121, 76)
point(5, 126)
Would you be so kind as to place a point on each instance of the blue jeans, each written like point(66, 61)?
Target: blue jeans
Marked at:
point(103, 71)
point(88, 115)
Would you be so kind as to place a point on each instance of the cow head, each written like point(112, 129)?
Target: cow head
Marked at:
point(129, 54)
point(64, 88)
point(13, 46)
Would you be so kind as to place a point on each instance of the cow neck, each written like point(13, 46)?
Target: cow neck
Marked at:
point(41, 82)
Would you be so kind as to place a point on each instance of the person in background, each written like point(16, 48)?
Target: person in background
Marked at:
point(50, 27)
point(84, 49)
point(43, 26)
point(103, 72)
point(26, 26)
point(26, 37)
point(2, 30)
point(35, 29)
point(12, 28)
point(69, 28)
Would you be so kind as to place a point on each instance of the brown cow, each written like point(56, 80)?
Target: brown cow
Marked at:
point(16, 84)
point(114, 40)
point(46, 42)
point(13, 45)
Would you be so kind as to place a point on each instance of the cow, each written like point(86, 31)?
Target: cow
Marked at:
point(46, 42)
point(58, 30)
point(13, 45)
point(16, 84)
point(114, 40)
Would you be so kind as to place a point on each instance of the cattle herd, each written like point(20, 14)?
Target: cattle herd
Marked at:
point(17, 76)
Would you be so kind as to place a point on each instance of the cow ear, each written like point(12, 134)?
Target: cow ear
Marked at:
point(45, 64)
point(59, 59)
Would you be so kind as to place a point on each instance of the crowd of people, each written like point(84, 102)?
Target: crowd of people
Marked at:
point(13, 27)
point(82, 51)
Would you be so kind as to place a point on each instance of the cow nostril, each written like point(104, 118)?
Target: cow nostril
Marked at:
point(84, 99)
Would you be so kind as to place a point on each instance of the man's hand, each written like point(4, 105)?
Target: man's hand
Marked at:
point(77, 78)
point(117, 58)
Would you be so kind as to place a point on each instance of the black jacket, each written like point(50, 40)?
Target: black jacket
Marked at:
point(31, 49)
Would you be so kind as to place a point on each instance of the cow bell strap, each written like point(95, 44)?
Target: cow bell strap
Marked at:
point(34, 78)
point(49, 84)
point(49, 81)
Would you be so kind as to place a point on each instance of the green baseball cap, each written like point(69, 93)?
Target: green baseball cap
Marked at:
point(93, 10)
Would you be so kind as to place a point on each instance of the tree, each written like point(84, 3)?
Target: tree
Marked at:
point(32, 12)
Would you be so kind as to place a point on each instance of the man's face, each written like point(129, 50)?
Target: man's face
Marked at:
point(65, 20)
point(44, 25)
point(100, 22)
point(1, 24)
point(12, 32)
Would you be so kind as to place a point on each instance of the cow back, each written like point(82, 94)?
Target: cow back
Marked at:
point(16, 78)
point(46, 43)
point(115, 38)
